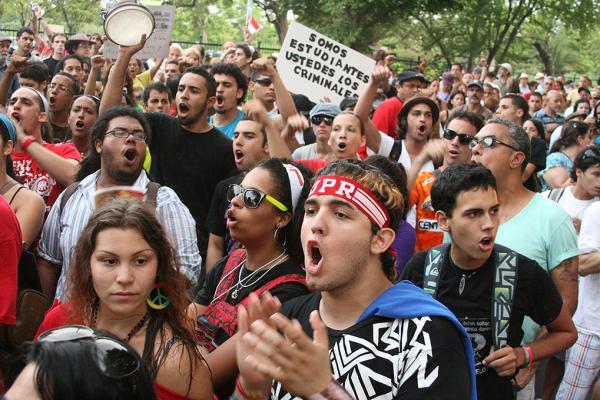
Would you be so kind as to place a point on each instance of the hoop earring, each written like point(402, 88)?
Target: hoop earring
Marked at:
point(275, 234)
point(277, 240)
point(157, 299)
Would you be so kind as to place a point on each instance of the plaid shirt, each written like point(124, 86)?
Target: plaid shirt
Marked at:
point(547, 119)
point(60, 237)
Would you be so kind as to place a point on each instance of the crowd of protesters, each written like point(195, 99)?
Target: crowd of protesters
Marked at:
point(435, 238)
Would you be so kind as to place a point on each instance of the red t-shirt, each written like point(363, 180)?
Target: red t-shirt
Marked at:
point(386, 116)
point(37, 179)
point(10, 251)
point(314, 164)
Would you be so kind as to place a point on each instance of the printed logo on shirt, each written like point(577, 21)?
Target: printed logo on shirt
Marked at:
point(430, 225)
point(479, 329)
point(426, 205)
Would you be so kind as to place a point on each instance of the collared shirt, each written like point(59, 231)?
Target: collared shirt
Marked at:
point(548, 119)
point(59, 237)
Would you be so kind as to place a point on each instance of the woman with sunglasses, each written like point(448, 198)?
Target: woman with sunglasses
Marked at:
point(82, 117)
point(125, 279)
point(575, 137)
point(77, 362)
point(265, 217)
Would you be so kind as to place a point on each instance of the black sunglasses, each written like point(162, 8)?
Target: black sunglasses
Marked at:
point(463, 138)
point(253, 197)
point(264, 82)
point(113, 358)
point(489, 141)
point(317, 119)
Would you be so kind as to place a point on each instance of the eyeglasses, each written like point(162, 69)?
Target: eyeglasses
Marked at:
point(138, 134)
point(463, 138)
point(592, 152)
point(59, 86)
point(489, 141)
point(264, 82)
point(253, 197)
point(113, 358)
point(317, 119)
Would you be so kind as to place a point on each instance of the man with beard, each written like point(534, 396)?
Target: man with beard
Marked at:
point(188, 154)
point(61, 91)
point(232, 86)
point(119, 143)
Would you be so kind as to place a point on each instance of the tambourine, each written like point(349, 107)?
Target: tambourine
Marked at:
point(127, 21)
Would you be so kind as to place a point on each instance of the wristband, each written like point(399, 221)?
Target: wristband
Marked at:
point(333, 391)
point(27, 142)
point(529, 353)
point(250, 394)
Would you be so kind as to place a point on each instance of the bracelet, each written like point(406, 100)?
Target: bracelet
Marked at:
point(27, 142)
point(333, 391)
point(529, 353)
point(526, 361)
point(250, 395)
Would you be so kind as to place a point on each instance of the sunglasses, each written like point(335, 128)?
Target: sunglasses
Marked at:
point(253, 197)
point(592, 152)
point(489, 141)
point(112, 358)
point(264, 82)
point(317, 119)
point(463, 138)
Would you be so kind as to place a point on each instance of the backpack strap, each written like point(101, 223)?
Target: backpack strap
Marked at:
point(151, 194)
point(227, 277)
point(433, 265)
point(556, 194)
point(66, 196)
point(396, 151)
point(290, 278)
point(505, 282)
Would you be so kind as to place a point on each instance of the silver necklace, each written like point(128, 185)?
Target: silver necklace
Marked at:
point(463, 281)
point(241, 284)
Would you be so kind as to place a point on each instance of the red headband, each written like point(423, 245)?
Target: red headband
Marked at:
point(355, 193)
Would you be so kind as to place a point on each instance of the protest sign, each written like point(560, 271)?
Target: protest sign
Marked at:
point(157, 46)
point(316, 66)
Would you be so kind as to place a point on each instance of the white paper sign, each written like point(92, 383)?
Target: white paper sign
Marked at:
point(157, 46)
point(316, 66)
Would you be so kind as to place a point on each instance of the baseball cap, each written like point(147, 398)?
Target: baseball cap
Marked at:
point(4, 38)
point(408, 75)
point(479, 84)
point(328, 109)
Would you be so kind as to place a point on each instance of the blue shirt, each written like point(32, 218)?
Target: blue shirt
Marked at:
point(228, 129)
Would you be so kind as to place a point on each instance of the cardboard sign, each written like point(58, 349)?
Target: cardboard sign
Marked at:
point(157, 46)
point(316, 66)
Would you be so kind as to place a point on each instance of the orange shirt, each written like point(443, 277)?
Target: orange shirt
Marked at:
point(428, 233)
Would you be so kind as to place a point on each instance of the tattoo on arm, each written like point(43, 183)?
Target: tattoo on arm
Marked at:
point(567, 270)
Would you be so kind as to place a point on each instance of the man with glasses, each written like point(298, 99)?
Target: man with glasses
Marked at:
point(530, 224)
point(119, 138)
point(407, 84)
point(60, 95)
point(321, 120)
point(453, 149)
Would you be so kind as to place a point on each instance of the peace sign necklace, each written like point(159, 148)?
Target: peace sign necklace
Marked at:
point(133, 330)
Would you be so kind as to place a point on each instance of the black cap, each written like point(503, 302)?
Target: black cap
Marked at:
point(479, 84)
point(408, 75)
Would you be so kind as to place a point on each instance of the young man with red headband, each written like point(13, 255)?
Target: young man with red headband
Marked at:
point(371, 339)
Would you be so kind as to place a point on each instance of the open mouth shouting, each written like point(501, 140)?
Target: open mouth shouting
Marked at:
point(220, 102)
point(183, 109)
point(130, 154)
point(313, 257)
point(79, 124)
point(486, 244)
point(16, 116)
point(238, 155)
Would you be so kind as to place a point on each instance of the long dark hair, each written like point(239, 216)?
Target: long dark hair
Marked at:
point(571, 131)
point(289, 235)
point(133, 214)
point(5, 138)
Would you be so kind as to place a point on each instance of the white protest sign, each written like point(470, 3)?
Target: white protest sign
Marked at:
point(157, 46)
point(317, 66)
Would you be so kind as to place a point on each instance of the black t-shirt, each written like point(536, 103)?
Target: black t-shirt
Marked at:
point(283, 292)
point(51, 63)
point(59, 133)
point(191, 164)
point(416, 358)
point(539, 151)
point(536, 296)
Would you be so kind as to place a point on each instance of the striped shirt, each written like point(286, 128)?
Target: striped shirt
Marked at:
point(60, 237)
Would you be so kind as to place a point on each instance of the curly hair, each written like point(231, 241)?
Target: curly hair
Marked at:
point(133, 214)
point(381, 186)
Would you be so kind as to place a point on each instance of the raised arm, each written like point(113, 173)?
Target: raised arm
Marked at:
point(16, 65)
point(90, 85)
point(277, 146)
point(113, 92)
point(156, 67)
point(379, 76)
point(294, 124)
point(285, 103)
